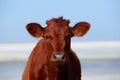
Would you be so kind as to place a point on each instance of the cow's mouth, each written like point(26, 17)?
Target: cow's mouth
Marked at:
point(58, 63)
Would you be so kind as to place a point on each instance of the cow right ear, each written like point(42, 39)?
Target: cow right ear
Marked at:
point(35, 29)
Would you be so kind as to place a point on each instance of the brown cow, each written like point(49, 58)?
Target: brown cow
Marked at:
point(52, 57)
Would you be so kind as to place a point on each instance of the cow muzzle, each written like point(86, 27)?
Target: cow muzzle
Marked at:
point(58, 57)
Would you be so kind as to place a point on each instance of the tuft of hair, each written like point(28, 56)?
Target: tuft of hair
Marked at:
point(58, 20)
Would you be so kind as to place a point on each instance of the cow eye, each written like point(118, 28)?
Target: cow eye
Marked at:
point(68, 37)
point(46, 37)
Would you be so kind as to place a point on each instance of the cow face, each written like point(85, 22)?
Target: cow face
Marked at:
point(58, 35)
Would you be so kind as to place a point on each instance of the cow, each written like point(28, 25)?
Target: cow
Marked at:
point(52, 58)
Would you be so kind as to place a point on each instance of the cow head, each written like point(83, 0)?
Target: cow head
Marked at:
point(58, 35)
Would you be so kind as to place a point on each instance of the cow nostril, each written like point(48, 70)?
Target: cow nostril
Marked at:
point(63, 56)
point(55, 57)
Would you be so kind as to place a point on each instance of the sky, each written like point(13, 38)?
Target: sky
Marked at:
point(103, 15)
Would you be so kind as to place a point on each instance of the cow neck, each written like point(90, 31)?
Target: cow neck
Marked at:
point(70, 72)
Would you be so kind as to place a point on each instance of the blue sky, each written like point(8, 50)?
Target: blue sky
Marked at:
point(103, 15)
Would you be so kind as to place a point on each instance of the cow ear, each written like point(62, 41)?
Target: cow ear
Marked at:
point(35, 29)
point(80, 29)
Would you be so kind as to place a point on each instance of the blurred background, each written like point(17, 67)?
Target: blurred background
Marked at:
point(98, 50)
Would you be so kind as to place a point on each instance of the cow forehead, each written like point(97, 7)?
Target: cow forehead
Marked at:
point(57, 27)
point(58, 30)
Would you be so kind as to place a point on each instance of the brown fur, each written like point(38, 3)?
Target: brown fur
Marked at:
point(56, 38)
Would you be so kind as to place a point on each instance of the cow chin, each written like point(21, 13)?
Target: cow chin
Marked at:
point(59, 63)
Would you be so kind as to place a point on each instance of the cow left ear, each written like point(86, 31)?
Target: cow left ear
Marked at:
point(80, 29)
point(35, 29)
